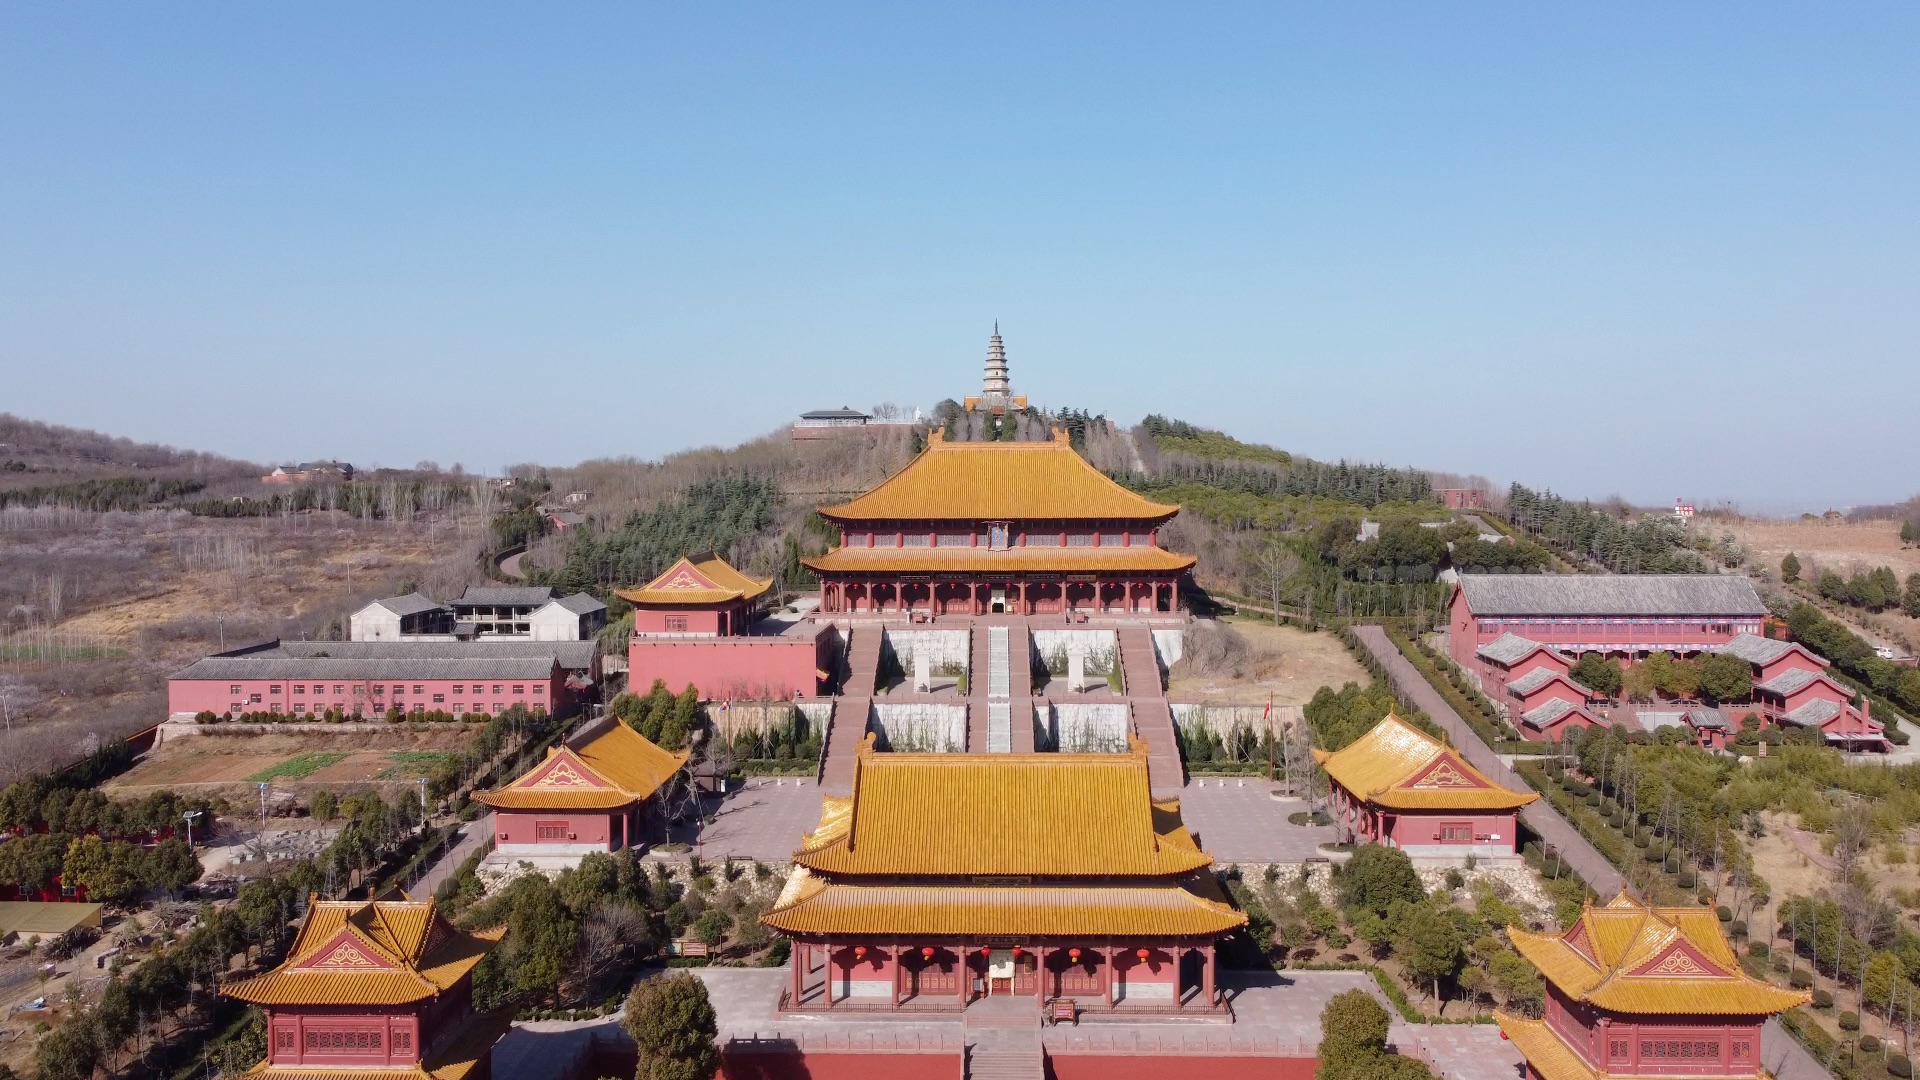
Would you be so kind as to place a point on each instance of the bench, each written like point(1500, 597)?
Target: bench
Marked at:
point(1063, 1009)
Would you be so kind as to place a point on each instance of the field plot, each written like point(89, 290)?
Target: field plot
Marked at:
point(325, 758)
point(1841, 546)
point(1254, 659)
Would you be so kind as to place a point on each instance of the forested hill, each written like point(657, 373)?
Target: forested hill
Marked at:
point(34, 454)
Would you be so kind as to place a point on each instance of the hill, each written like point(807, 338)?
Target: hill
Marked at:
point(33, 454)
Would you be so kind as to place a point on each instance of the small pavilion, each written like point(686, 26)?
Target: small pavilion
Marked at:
point(381, 989)
point(699, 595)
point(949, 877)
point(587, 797)
point(1636, 990)
point(1396, 785)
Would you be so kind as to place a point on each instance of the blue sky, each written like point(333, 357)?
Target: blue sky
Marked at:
point(1652, 249)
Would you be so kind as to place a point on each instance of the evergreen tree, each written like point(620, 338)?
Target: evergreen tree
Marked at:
point(1790, 568)
point(673, 1025)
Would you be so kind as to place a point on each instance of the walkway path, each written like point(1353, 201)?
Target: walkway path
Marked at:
point(473, 836)
point(1140, 667)
point(1539, 815)
point(1780, 1051)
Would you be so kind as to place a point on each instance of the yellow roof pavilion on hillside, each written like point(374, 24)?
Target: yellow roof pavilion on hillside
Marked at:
point(1025, 815)
point(697, 579)
point(369, 952)
point(471, 1044)
point(1400, 767)
point(1629, 957)
point(998, 481)
point(615, 767)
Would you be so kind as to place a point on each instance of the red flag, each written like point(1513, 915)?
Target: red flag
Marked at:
point(1268, 715)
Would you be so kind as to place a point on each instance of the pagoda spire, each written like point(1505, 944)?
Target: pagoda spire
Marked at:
point(998, 385)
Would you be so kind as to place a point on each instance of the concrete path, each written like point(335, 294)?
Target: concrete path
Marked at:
point(1540, 815)
point(1783, 1055)
point(473, 836)
point(1237, 821)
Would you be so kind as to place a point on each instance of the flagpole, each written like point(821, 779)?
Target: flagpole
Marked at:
point(1269, 719)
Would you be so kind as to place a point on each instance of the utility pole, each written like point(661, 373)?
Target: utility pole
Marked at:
point(262, 787)
point(190, 815)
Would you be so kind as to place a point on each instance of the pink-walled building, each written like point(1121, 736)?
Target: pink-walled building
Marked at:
point(1463, 498)
point(1396, 785)
point(370, 679)
point(694, 625)
point(1626, 616)
point(1792, 686)
point(589, 796)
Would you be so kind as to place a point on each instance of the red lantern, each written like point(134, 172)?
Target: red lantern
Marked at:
point(985, 951)
point(1142, 953)
point(926, 953)
point(1016, 950)
point(1073, 955)
point(1503, 1036)
point(859, 952)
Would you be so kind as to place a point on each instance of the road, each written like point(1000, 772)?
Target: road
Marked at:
point(510, 564)
point(473, 835)
point(1780, 1051)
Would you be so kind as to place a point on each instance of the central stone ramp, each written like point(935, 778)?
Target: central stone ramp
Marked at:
point(1003, 1039)
point(1152, 719)
point(851, 711)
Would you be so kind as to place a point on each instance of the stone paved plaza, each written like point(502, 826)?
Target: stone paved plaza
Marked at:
point(1238, 821)
point(763, 821)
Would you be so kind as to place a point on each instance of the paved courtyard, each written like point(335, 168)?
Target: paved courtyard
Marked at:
point(763, 821)
point(1238, 821)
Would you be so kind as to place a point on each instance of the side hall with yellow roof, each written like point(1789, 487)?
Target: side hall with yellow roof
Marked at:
point(590, 795)
point(1638, 990)
point(974, 528)
point(944, 878)
point(1399, 786)
point(701, 623)
point(377, 989)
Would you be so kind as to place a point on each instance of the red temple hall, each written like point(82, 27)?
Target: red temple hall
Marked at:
point(381, 988)
point(972, 528)
point(1636, 990)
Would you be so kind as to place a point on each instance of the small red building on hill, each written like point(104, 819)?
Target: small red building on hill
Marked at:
point(1396, 785)
point(584, 798)
point(378, 989)
point(1634, 990)
point(696, 625)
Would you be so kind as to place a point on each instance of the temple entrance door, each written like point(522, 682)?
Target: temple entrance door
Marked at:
point(1026, 975)
point(997, 599)
point(1000, 972)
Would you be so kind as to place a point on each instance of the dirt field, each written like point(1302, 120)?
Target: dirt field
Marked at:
point(1288, 663)
point(1837, 545)
point(297, 762)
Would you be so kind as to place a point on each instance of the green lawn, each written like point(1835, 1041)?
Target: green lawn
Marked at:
point(298, 767)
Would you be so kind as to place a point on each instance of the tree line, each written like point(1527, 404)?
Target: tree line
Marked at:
point(1647, 546)
point(1854, 656)
point(716, 514)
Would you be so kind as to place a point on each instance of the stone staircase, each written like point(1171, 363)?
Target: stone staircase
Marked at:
point(1152, 719)
point(1003, 1040)
point(851, 711)
point(1020, 689)
point(999, 685)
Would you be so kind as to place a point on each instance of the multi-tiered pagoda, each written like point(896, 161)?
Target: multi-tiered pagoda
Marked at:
point(1635, 990)
point(971, 528)
point(379, 989)
point(947, 877)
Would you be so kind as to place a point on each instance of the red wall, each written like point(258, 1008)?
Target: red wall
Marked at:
point(287, 1033)
point(1683, 635)
point(1419, 830)
point(769, 668)
point(277, 695)
point(518, 827)
point(796, 1066)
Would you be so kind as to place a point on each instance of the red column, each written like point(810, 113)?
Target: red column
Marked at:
point(964, 974)
point(895, 954)
point(798, 956)
point(1040, 973)
point(1206, 979)
point(1107, 954)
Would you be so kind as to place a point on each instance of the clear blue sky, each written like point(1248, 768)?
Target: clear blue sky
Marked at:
point(1650, 249)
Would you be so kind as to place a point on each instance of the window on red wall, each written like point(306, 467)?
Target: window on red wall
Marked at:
point(676, 623)
point(1456, 832)
point(403, 1040)
point(544, 831)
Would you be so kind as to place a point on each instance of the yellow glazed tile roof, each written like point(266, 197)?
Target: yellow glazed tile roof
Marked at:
point(996, 481)
point(1627, 957)
point(697, 579)
point(1544, 1050)
point(1400, 767)
point(369, 953)
point(1061, 560)
point(1037, 815)
point(616, 767)
point(812, 906)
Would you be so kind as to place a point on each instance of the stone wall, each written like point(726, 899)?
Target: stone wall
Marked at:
point(1221, 719)
point(1051, 648)
point(1072, 727)
point(947, 650)
point(921, 728)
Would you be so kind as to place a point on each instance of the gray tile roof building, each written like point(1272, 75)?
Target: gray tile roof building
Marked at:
point(1788, 682)
point(1611, 594)
point(570, 655)
point(1507, 649)
point(1546, 714)
point(1757, 650)
point(1814, 713)
point(505, 596)
point(1540, 677)
point(411, 604)
point(1701, 716)
point(322, 668)
point(581, 604)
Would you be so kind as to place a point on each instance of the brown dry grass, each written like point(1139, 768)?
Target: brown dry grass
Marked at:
point(1840, 546)
point(1285, 662)
point(217, 761)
